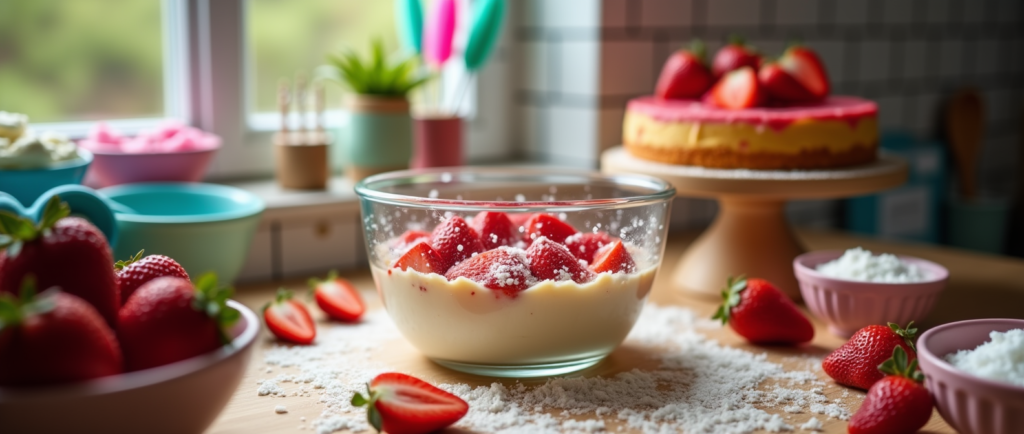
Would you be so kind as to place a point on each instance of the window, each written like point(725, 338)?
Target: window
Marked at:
point(85, 60)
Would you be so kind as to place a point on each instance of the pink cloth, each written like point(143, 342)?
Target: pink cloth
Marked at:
point(171, 136)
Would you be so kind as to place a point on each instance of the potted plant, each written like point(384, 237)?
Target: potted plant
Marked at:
point(378, 137)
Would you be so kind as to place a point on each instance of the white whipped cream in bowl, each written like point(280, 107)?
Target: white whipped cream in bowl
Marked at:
point(37, 151)
point(530, 300)
point(12, 126)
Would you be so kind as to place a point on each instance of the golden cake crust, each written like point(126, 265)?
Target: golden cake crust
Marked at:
point(724, 158)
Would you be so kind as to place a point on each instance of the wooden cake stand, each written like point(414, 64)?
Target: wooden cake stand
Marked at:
point(750, 234)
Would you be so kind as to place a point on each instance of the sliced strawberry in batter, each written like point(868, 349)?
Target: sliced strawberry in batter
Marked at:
point(455, 241)
point(422, 258)
point(495, 229)
point(546, 225)
point(501, 269)
point(585, 245)
point(552, 261)
point(408, 239)
point(613, 258)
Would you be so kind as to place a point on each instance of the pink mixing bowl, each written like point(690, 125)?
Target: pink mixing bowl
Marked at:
point(113, 168)
point(972, 405)
point(848, 306)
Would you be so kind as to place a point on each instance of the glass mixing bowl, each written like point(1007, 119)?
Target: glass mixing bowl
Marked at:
point(553, 326)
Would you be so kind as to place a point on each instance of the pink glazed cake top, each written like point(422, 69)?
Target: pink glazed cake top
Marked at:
point(846, 108)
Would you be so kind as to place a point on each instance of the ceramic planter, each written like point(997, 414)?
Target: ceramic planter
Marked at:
point(378, 137)
point(438, 141)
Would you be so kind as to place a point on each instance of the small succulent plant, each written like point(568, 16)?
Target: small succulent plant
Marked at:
point(373, 74)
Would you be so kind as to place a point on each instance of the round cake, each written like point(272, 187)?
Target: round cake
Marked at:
point(839, 131)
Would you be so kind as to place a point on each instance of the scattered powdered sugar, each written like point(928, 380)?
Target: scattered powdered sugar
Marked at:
point(280, 409)
point(859, 264)
point(693, 384)
point(812, 425)
point(999, 359)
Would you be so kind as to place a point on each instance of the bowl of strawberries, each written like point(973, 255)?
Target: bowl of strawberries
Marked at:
point(514, 272)
point(90, 345)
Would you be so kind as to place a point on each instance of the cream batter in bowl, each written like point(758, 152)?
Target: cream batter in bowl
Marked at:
point(514, 272)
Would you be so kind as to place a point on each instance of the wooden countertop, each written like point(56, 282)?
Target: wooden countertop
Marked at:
point(980, 286)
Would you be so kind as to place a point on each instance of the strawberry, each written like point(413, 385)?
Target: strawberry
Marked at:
point(494, 229)
point(408, 239)
point(288, 319)
point(400, 404)
point(807, 69)
point(762, 314)
point(131, 274)
point(455, 241)
point(781, 86)
point(685, 74)
point(896, 404)
point(168, 319)
point(613, 258)
point(547, 225)
point(53, 337)
point(500, 269)
point(585, 245)
point(519, 220)
point(737, 90)
point(552, 261)
point(66, 252)
point(338, 298)
point(856, 362)
point(734, 55)
point(422, 258)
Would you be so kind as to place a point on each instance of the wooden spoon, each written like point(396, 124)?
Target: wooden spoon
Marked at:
point(965, 127)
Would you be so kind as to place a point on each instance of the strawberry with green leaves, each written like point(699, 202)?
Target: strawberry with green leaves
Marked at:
point(66, 252)
point(734, 55)
point(288, 319)
point(685, 74)
point(401, 404)
point(338, 298)
point(807, 69)
point(762, 314)
point(137, 270)
point(53, 337)
point(856, 362)
point(736, 90)
point(896, 404)
point(168, 320)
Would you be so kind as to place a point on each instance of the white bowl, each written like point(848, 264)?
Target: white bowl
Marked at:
point(182, 397)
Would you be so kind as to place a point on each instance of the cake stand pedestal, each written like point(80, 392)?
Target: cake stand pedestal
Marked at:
point(750, 234)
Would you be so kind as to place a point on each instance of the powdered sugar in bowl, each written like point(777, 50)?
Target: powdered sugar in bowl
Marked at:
point(514, 272)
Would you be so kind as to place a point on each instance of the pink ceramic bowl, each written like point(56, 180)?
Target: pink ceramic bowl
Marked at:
point(848, 306)
point(113, 168)
point(972, 405)
point(183, 397)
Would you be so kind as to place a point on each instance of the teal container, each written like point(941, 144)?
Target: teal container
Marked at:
point(205, 227)
point(377, 138)
point(27, 185)
point(979, 224)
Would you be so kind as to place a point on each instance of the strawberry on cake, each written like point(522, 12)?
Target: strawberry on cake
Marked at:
point(750, 113)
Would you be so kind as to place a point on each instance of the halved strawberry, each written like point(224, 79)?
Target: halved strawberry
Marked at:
point(552, 261)
point(779, 85)
point(408, 239)
point(422, 258)
point(455, 241)
point(804, 65)
point(738, 89)
point(734, 55)
point(684, 75)
point(500, 269)
point(585, 245)
point(547, 225)
point(288, 319)
point(137, 270)
point(494, 229)
point(613, 258)
point(337, 297)
point(401, 404)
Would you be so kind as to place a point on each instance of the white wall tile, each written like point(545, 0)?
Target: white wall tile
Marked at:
point(536, 66)
point(851, 11)
point(627, 68)
point(915, 54)
point(578, 67)
point(951, 58)
point(939, 11)
point(734, 12)
point(898, 11)
point(665, 13)
point(572, 135)
point(532, 134)
point(613, 13)
point(564, 13)
point(874, 60)
point(258, 262)
point(890, 112)
point(316, 246)
point(609, 127)
point(796, 12)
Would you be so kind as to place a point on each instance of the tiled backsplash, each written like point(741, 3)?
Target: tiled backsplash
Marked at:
point(581, 60)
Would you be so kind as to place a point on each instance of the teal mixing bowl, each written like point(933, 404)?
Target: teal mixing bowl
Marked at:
point(205, 227)
point(27, 185)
